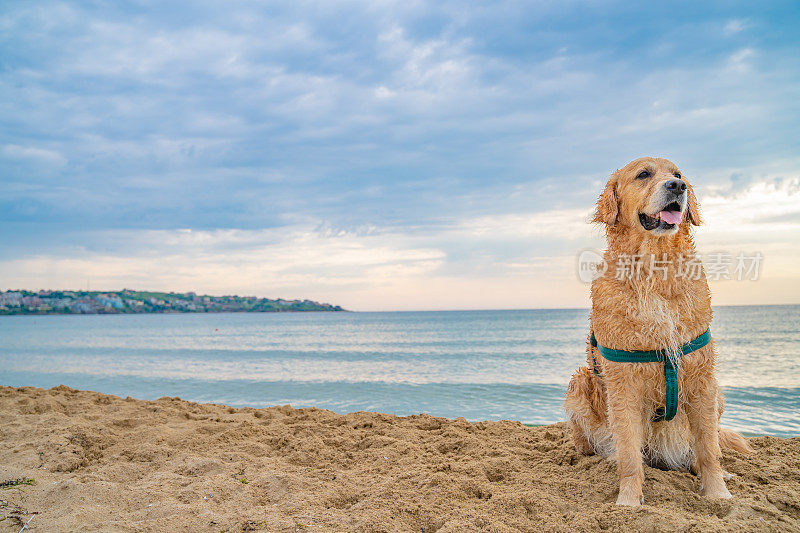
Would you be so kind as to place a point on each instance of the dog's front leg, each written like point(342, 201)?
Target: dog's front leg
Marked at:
point(627, 426)
point(703, 414)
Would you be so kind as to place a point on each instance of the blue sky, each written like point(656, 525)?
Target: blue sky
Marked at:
point(383, 155)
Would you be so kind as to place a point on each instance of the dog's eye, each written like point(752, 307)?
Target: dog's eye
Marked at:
point(677, 175)
point(644, 174)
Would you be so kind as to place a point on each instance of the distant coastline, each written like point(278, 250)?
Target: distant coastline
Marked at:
point(127, 301)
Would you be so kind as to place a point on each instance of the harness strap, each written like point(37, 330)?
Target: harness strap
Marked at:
point(667, 412)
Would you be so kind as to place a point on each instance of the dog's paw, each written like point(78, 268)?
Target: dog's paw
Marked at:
point(629, 500)
point(584, 448)
point(721, 493)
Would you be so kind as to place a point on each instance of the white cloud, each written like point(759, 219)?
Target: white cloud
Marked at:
point(735, 26)
point(762, 217)
point(568, 224)
point(15, 151)
point(751, 208)
point(740, 61)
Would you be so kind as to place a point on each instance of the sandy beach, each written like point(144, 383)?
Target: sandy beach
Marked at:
point(76, 460)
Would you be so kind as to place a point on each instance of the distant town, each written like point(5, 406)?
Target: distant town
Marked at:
point(20, 302)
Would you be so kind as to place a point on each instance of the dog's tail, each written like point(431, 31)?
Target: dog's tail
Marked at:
point(730, 439)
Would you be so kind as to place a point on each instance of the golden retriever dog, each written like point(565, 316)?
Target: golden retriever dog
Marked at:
point(653, 295)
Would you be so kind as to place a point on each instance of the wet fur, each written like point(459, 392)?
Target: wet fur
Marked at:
point(610, 414)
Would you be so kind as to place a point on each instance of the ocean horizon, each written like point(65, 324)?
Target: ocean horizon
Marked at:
point(476, 364)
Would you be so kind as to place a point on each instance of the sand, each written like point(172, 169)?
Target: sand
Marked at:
point(103, 463)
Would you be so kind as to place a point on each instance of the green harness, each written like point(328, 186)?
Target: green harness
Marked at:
point(655, 356)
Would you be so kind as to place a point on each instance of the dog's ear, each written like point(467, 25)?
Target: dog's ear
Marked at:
point(608, 205)
point(692, 209)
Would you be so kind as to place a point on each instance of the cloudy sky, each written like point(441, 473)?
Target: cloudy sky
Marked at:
point(384, 155)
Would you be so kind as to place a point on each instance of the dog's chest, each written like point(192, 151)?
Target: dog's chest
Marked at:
point(666, 321)
point(658, 312)
point(649, 313)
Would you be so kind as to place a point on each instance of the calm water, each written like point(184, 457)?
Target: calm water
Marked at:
point(476, 364)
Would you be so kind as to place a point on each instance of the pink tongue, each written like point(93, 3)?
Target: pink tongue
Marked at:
point(671, 217)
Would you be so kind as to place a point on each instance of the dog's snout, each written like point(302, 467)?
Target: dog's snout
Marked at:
point(675, 186)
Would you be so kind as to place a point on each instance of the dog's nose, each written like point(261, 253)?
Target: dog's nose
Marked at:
point(675, 186)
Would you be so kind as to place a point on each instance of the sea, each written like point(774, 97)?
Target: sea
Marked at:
point(480, 365)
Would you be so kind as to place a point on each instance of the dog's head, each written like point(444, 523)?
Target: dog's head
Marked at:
point(650, 195)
